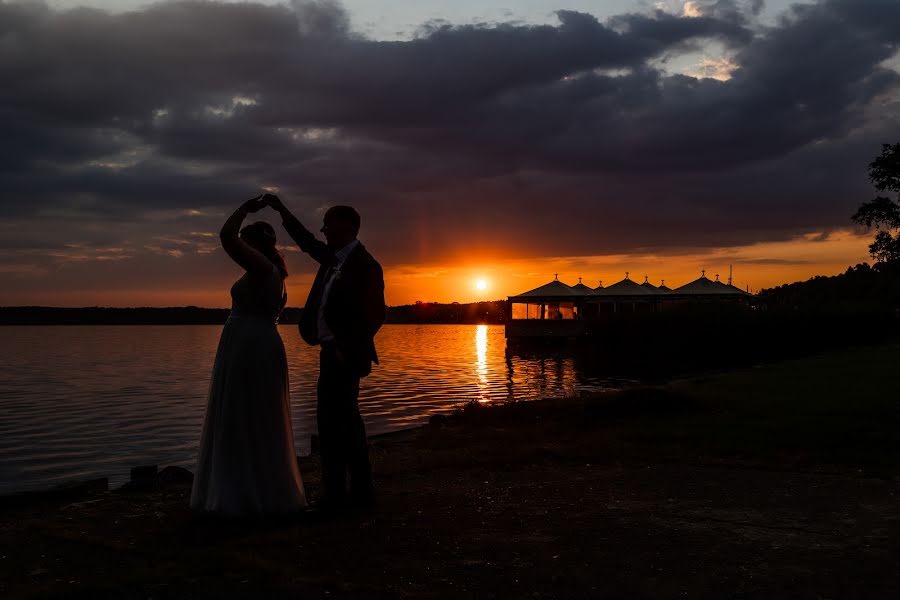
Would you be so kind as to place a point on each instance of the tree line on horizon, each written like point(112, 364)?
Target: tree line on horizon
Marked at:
point(861, 286)
point(493, 312)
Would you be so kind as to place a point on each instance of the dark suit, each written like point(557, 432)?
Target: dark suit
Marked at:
point(354, 311)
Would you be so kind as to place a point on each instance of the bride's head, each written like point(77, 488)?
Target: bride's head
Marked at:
point(261, 237)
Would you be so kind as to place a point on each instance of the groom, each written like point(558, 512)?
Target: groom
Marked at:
point(344, 310)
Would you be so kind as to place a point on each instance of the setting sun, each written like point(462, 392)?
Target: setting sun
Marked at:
point(481, 285)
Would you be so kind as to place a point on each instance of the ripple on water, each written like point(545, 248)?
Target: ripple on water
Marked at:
point(91, 401)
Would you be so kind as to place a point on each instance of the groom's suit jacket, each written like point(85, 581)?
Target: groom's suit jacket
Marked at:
point(354, 310)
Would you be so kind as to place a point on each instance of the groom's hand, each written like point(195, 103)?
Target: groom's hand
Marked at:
point(273, 201)
point(339, 357)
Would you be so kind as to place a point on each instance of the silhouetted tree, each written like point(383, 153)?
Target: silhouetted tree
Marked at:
point(884, 213)
point(860, 288)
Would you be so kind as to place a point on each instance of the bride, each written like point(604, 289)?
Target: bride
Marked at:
point(247, 464)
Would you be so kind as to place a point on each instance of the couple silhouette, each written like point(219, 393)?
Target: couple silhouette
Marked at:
point(247, 465)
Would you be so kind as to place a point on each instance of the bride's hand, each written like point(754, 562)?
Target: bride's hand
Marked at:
point(254, 204)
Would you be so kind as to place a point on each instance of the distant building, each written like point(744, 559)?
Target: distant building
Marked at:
point(580, 288)
point(556, 309)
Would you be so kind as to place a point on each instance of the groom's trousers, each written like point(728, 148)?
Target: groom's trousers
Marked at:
point(342, 433)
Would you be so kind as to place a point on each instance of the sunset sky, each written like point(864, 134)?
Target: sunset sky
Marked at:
point(483, 140)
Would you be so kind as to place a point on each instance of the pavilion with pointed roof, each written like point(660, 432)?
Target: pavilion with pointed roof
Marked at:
point(703, 286)
point(552, 301)
point(624, 295)
point(649, 286)
point(554, 289)
point(580, 288)
point(628, 287)
point(571, 309)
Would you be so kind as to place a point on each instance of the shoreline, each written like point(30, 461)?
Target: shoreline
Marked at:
point(764, 482)
point(652, 383)
point(69, 487)
point(139, 474)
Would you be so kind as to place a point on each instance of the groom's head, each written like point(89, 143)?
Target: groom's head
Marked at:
point(340, 226)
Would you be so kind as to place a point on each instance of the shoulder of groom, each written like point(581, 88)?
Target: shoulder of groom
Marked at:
point(365, 255)
point(373, 264)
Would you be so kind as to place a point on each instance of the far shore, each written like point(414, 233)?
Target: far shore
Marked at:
point(424, 313)
point(772, 481)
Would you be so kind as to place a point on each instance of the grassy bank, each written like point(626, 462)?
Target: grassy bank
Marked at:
point(765, 482)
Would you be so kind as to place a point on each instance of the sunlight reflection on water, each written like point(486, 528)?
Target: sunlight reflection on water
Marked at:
point(481, 366)
point(92, 401)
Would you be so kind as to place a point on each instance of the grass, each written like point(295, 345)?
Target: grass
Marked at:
point(839, 408)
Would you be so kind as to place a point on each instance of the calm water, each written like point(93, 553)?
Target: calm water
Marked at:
point(80, 402)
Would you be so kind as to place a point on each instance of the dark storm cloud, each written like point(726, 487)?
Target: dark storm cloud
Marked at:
point(665, 29)
point(546, 139)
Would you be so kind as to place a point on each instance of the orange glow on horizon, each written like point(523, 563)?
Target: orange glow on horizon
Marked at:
point(476, 278)
point(755, 266)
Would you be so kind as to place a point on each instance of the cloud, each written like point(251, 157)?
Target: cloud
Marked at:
point(533, 140)
point(714, 68)
point(771, 261)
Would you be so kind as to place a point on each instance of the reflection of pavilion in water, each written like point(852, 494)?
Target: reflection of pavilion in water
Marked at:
point(559, 310)
point(530, 373)
point(556, 371)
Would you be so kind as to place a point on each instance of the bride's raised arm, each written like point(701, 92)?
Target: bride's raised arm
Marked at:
point(241, 252)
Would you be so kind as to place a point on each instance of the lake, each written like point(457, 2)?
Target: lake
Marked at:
point(91, 401)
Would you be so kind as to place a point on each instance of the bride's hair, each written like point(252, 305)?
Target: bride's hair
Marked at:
point(261, 236)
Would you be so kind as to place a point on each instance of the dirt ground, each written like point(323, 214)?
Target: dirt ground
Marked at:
point(566, 499)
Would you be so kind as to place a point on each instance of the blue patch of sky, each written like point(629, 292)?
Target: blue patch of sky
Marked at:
point(401, 19)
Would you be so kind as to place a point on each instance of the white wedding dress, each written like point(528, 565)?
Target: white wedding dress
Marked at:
point(247, 464)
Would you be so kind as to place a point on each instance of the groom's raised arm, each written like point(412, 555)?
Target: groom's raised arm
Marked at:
point(316, 248)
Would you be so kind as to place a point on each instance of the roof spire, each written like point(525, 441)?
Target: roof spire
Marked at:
point(646, 279)
point(702, 272)
point(601, 282)
point(556, 277)
point(662, 282)
point(626, 274)
point(579, 280)
point(717, 276)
